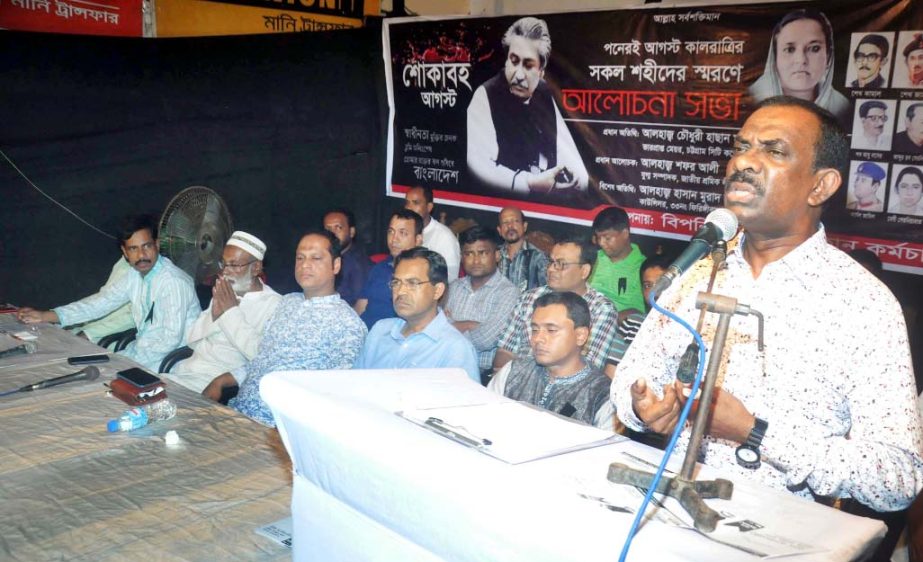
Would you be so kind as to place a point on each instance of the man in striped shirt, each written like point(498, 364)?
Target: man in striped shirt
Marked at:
point(163, 301)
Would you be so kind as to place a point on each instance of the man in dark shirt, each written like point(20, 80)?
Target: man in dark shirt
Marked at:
point(405, 231)
point(355, 269)
point(555, 376)
point(910, 140)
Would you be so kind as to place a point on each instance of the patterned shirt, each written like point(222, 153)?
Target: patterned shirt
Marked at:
point(527, 270)
point(628, 329)
point(603, 318)
point(163, 307)
point(315, 334)
point(582, 396)
point(834, 381)
point(491, 306)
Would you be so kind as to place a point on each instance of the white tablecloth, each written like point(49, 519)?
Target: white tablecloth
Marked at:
point(370, 485)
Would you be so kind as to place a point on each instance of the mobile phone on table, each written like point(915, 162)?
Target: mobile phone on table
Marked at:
point(138, 377)
point(88, 359)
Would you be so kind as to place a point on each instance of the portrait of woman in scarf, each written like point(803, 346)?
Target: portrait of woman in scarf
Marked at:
point(800, 63)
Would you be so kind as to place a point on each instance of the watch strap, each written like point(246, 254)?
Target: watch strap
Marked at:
point(755, 439)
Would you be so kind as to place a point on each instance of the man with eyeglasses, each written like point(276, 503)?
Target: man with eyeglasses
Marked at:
point(227, 334)
point(873, 116)
point(162, 298)
point(571, 262)
point(870, 56)
point(311, 330)
point(910, 140)
point(421, 337)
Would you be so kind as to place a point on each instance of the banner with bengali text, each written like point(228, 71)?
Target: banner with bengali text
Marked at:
point(114, 17)
point(639, 108)
point(183, 18)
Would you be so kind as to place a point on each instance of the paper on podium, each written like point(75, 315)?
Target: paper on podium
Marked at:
point(510, 431)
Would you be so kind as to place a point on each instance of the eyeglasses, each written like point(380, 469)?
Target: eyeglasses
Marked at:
point(560, 265)
point(412, 284)
point(871, 57)
point(233, 266)
point(881, 118)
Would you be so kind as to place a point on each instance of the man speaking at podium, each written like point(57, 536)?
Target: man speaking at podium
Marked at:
point(828, 407)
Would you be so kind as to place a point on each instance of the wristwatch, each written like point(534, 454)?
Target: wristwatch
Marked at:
point(748, 454)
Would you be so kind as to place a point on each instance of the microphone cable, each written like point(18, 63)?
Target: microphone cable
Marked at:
point(680, 425)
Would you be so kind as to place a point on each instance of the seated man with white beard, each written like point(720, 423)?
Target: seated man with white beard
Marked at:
point(227, 334)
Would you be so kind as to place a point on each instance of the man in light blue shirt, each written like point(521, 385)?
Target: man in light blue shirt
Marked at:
point(422, 336)
point(162, 298)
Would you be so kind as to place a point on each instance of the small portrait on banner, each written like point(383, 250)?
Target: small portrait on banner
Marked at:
point(865, 181)
point(800, 63)
point(906, 197)
point(909, 137)
point(873, 123)
point(518, 141)
point(870, 54)
point(908, 68)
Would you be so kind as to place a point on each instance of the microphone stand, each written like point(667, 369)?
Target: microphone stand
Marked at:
point(683, 487)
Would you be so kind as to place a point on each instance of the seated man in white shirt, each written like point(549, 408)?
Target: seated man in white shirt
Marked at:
point(556, 376)
point(227, 334)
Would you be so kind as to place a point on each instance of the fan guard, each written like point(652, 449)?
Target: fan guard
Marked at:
point(193, 230)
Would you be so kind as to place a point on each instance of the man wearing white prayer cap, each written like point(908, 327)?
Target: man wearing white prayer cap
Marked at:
point(227, 334)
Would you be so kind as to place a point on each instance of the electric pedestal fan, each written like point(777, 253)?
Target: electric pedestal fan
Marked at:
point(193, 230)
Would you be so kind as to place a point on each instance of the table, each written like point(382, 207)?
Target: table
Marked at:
point(71, 491)
point(370, 485)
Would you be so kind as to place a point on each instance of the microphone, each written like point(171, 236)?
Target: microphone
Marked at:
point(89, 373)
point(720, 224)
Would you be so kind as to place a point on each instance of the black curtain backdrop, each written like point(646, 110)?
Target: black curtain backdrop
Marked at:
point(281, 126)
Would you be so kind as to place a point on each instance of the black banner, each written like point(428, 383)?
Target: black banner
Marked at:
point(561, 114)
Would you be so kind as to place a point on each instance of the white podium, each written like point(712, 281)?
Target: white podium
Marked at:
point(370, 485)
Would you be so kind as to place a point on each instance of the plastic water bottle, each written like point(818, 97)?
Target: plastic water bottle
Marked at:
point(140, 416)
